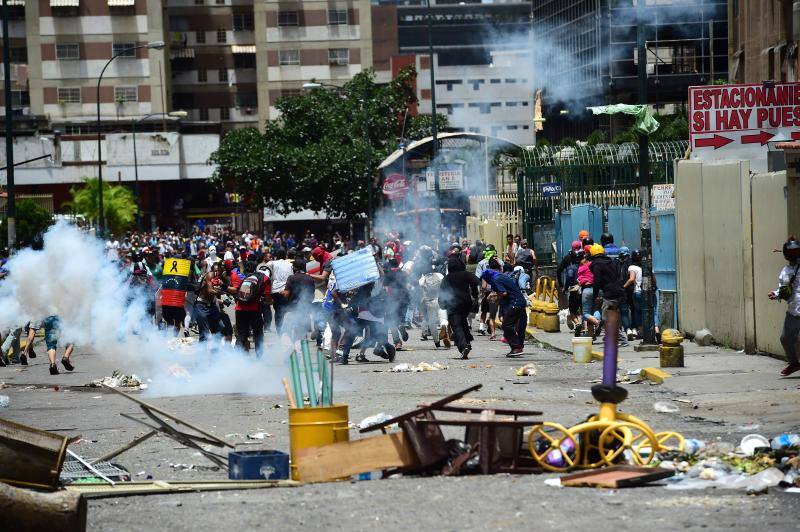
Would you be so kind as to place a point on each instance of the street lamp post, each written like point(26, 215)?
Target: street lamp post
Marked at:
point(173, 114)
point(101, 220)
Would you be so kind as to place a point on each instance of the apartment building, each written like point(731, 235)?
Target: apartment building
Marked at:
point(60, 47)
point(213, 60)
point(300, 41)
point(763, 40)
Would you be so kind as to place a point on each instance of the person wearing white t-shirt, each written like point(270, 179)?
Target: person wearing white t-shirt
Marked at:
point(635, 280)
point(280, 269)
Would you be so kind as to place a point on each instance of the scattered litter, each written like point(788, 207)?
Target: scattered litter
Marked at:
point(182, 344)
point(555, 482)
point(374, 420)
point(3, 385)
point(792, 490)
point(259, 436)
point(233, 435)
point(405, 367)
point(635, 373)
point(176, 370)
point(748, 427)
point(141, 473)
point(688, 402)
point(528, 370)
point(703, 337)
point(97, 397)
point(751, 442)
point(4, 401)
point(786, 441)
point(119, 380)
point(193, 467)
point(665, 408)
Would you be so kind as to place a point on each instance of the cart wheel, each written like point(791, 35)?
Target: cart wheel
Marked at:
point(554, 447)
point(620, 437)
point(670, 441)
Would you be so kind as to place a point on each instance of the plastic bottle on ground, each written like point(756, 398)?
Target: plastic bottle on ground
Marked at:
point(785, 441)
point(4, 401)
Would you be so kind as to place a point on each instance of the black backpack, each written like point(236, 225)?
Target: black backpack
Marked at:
point(251, 288)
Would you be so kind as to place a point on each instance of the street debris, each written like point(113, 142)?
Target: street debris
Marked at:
point(182, 344)
point(178, 371)
point(752, 443)
point(614, 477)
point(703, 338)
point(193, 467)
point(373, 420)
point(259, 435)
point(665, 408)
point(528, 370)
point(405, 367)
point(4, 401)
point(117, 379)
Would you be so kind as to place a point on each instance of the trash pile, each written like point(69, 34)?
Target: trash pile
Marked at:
point(755, 466)
point(181, 344)
point(120, 380)
point(405, 367)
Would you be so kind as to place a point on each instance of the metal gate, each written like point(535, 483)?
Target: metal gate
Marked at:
point(605, 175)
point(662, 233)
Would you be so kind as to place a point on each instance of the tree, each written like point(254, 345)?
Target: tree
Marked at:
point(32, 220)
point(317, 154)
point(419, 126)
point(119, 205)
point(598, 136)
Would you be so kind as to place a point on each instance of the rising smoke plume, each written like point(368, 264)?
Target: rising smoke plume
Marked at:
point(98, 311)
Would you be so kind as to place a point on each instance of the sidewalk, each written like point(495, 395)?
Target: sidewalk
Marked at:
point(723, 384)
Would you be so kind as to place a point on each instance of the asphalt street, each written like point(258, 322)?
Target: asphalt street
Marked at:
point(560, 389)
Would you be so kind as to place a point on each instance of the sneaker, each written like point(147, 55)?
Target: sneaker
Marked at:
point(465, 352)
point(390, 352)
point(791, 368)
point(31, 353)
point(403, 333)
point(23, 360)
point(437, 343)
point(361, 357)
point(515, 352)
point(67, 364)
point(53, 369)
point(622, 343)
point(482, 329)
point(503, 339)
point(344, 361)
point(424, 338)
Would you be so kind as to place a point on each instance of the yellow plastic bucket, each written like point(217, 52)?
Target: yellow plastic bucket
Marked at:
point(312, 427)
point(582, 350)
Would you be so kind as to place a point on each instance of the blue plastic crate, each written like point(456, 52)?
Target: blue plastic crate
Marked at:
point(258, 465)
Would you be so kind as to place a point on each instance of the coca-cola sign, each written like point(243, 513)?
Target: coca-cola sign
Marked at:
point(395, 187)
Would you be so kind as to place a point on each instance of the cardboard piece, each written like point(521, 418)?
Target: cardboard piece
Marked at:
point(355, 270)
point(620, 476)
point(343, 459)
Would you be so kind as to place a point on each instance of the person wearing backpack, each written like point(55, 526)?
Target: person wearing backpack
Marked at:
point(249, 290)
point(789, 290)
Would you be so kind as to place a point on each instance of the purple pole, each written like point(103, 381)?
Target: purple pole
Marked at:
point(610, 347)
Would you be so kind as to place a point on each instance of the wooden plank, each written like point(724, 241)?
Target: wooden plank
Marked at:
point(338, 460)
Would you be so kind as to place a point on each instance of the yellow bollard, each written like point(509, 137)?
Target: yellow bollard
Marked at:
point(548, 318)
point(536, 302)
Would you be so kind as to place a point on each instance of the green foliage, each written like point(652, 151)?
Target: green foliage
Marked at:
point(119, 204)
point(317, 154)
point(542, 142)
point(567, 141)
point(671, 127)
point(598, 136)
point(419, 126)
point(32, 221)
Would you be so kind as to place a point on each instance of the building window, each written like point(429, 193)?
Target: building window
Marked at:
point(495, 81)
point(339, 56)
point(289, 57)
point(19, 54)
point(244, 60)
point(68, 52)
point(288, 18)
point(246, 99)
point(220, 2)
point(337, 17)
point(224, 113)
point(223, 75)
point(203, 114)
point(179, 24)
point(20, 99)
point(511, 104)
point(243, 22)
point(222, 35)
point(124, 49)
point(69, 94)
point(126, 94)
point(200, 37)
point(199, 2)
point(202, 75)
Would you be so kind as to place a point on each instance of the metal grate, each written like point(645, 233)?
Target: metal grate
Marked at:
point(74, 470)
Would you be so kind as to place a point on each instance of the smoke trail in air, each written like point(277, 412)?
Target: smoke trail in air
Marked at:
point(98, 311)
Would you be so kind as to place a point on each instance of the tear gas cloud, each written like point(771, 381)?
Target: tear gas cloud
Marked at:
point(98, 311)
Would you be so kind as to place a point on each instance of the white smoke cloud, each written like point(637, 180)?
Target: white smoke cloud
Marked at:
point(98, 311)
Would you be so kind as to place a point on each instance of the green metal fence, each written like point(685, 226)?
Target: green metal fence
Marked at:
point(605, 175)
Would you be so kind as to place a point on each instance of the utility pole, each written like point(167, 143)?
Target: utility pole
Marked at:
point(434, 126)
point(648, 337)
point(11, 205)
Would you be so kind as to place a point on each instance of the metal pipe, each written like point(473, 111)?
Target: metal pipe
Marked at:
point(309, 371)
point(11, 206)
point(294, 367)
point(28, 161)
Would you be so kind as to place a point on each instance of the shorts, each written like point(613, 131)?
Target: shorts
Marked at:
point(489, 305)
point(51, 332)
point(173, 314)
point(574, 302)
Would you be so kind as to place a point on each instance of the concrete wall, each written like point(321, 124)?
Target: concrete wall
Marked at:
point(727, 224)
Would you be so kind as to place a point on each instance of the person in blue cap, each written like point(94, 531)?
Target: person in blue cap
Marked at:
point(512, 304)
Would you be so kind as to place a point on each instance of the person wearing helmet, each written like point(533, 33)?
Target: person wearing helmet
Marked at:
point(607, 283)
point(582, 235)
point(623, 263)
point(566, 261)
point(789, 290)
point(586, 283)
point(573, 287)
point(607, 241)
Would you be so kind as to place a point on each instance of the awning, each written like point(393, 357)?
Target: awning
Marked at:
point(182, 53)
point(243, 48)
point(64, 3)
point(121, 3)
